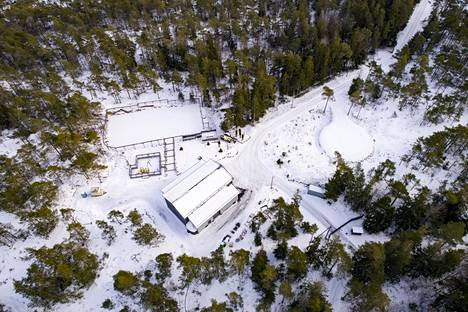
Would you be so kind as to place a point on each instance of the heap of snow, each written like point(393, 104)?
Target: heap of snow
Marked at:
point(344, 136)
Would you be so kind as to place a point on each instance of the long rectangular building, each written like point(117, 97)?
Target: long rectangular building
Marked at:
point(200, 194)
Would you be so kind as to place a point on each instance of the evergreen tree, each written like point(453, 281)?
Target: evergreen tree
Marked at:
point(357, 191)
point(191, 272)
point(156, 298)
point(164, 266)
point(452, 291)
point(126, 282)
point(147, 235)
point(379, 216)
point(398, 256)
point(57, 274)
point(328, 93)
point(412, 213)
point(368, 263)
point(336, 185)
point(311, 299)
point(108, 231)
point(264, 276)
point(286, 218)
point(78, 233)
point(296, 263)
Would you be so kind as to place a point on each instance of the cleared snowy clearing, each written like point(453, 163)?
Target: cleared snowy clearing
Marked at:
point(153, 123)
point(344, 136)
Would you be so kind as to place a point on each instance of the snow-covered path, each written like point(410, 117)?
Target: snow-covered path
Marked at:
point(249, 169)
point(252, 172)
point(421, 12)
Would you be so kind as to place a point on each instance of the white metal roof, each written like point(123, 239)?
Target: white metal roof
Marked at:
point(357, 230)
point(202, 192)
point(213, 205)
point(187, 180)
point(315, 188)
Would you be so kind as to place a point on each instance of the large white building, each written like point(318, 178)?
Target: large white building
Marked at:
point(200, 194)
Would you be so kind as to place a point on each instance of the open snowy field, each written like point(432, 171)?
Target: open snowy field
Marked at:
point(153, 123)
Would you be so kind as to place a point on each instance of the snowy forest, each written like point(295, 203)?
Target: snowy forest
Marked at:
point(243, 59)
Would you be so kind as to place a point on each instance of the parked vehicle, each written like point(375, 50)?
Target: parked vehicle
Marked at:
point(227, 138)
point(97, 191)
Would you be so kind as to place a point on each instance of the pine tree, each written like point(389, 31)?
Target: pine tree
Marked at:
point(296, 263)
point(191, 272)
point(398, 257)
point(368, 263)
point(328, 94)
point(239, 261)
point(125, 282)
point(164, 266)
point(108, 231)
point(286, 218)
point(379, 215)
point(358, 192)
point(146, 234)
point(412, 213)
point(57, 274)
point(311, 298)
point(264, 276)
point(78, 233)
point(336, 185)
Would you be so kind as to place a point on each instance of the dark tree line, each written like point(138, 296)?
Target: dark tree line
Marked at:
point(395, 205)
point(435, 56)
point(426, 229)
point(213, 47)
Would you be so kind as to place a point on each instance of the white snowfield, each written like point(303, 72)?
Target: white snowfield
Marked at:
point(153, 123)
point(346, 137)
point(254, 171)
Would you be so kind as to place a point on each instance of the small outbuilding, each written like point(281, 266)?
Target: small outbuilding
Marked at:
point(200, 194)
point(357, 230)
point(316, 191)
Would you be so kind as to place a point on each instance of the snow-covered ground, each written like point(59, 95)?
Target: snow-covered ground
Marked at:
point(345, 136)
point(299, 134)
point(147, 164)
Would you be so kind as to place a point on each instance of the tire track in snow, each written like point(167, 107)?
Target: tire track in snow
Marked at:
point(416, 23)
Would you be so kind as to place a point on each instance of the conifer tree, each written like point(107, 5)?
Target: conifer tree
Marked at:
point(328, 94)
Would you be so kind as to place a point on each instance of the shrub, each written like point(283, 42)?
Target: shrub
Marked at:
point(125, 282)
point(57, 274)
point(258, 239)
point(147, 235)
point(107, 304)
point(135, 217)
